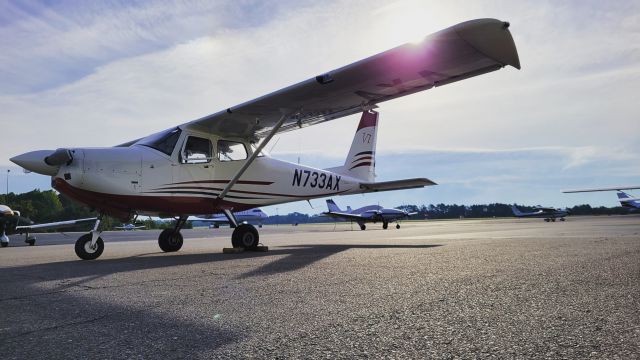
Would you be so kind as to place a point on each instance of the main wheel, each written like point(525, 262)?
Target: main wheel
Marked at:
point(397, 226)
point(169, 240)
point(31, 241)
point(245, 236)
point(4, 244)
point(85, 251)
point(554, 219)
point(547, 220)
point(363, 227)
point(562, 219)
point(385, 225)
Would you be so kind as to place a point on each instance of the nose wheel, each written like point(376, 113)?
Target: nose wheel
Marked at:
point(170, 240)
point(88, 251)
point(90, 246)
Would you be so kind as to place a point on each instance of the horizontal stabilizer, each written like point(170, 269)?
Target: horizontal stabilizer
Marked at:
point(396, 185)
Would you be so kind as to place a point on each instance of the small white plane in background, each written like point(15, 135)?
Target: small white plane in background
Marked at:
point(548, 213)
point(11, 222)
point(371, 213)
point(130, 227)
point(216, 164)
point(626, 200)
point(256, 216)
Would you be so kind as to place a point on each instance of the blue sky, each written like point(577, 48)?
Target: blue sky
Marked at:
point(99, 74)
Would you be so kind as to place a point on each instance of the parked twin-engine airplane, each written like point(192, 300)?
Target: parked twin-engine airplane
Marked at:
point(216, 163)
point(371, 213)
point(249, 216)
point(548, 213)
point(11, 222)
point(626, 200)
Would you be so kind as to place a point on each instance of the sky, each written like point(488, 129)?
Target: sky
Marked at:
point(103, 73)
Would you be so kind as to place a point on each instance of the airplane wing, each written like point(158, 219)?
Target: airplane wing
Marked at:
point(396, 185)
point(53, 225)
point(612, 188)
point(354, 217)
point(460, 52)
point(211, 220)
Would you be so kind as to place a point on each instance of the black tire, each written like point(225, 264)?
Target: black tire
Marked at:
point(31, 241)
point(245, 236)
point(363, 227)
point(397, 226)
point(84, 251)
point(170, 241)
point(4, 244)
point(385, 225)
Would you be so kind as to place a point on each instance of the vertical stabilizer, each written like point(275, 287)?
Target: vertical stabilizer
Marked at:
point(332, 206)
point(360, 162)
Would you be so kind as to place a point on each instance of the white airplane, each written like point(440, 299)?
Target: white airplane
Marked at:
point(548, 213)
point(129, 227)
point(216, 164)
point(626, 200)
point(252, 215)
point(11, 222)
point(371, 213)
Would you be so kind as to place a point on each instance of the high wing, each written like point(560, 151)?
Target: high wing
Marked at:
point(612, 188)
point(53, 225)
point(460, 52)
point(396, 185)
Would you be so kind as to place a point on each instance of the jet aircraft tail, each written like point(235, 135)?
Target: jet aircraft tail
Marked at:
point(360, 162)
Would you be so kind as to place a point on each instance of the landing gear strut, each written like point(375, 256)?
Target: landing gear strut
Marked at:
point(90, 246)
point(170, 240)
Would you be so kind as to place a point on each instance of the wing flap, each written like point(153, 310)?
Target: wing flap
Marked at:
point(396, 185)
point(453, 54)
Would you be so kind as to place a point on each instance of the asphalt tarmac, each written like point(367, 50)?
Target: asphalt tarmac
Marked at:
point(502, 288)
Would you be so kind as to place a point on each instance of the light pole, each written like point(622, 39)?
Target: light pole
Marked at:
point(277, 218)
point(8, 171)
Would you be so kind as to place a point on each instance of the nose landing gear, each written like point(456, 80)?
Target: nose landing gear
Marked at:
point(90, 246)
point(170, 240)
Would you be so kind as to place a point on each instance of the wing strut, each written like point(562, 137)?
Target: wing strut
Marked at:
point(252, 157)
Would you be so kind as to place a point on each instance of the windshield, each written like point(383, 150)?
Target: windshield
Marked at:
point(163, 141)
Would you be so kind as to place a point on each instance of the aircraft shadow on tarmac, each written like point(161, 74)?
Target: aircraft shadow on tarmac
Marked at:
point(103, 319)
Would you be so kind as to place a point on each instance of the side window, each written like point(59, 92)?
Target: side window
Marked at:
point(231, 150)
point(196, 151)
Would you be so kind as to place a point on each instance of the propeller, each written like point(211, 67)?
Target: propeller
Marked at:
point(45, 162)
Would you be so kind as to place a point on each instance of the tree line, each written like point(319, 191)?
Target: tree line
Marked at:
point(50, 206)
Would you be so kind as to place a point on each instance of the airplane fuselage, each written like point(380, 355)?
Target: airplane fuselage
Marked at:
point(138, 179)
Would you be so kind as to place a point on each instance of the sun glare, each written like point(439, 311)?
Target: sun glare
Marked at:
point(402, 22)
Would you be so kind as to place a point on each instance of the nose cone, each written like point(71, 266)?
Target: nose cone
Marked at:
point(34, 161)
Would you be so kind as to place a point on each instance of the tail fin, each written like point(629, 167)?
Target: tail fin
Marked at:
point(361, 161)
point(622, 195)
point(332, 206)
point(515, 210)
point(349, 209)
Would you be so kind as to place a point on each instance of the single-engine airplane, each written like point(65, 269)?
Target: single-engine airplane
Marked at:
point(216, 163)
point(11, 222)
point(548, 213)
point(249, 216)
point(371, 213)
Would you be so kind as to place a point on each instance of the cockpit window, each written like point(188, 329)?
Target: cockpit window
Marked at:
point(196, 151)
point(163, 141)
point(231, 150)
